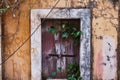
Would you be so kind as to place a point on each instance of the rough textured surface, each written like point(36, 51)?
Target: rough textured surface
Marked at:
point(104, 23)
point(0, 49)
point(109, 62)
point(118, 45)
point(18, 66)
point(35, 48)
point(85, 49)
point(104, 30)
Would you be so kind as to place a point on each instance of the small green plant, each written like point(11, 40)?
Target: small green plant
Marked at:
point(53, 30)
point(2, 10)
point(68, 30)
point(53, 74)
point(71, 31)
point(5, 5)
point(73, 71)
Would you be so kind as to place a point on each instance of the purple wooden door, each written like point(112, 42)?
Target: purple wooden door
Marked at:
point(52, 66)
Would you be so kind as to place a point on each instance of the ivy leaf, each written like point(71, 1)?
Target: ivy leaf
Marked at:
point(78, 33)
point(74, 28)
point(60, 68)
point(73, 71)
point(53, 30)
point(65, 35)
point(63, 25)
point(7, 6)
point(2, 10)
point(53, 73)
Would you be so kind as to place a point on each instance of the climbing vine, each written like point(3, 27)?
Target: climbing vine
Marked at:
point(73, 71)
point(12, 5)
point(68, 30)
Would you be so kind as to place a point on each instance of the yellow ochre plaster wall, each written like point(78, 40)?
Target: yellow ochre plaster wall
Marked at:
point(104, 37)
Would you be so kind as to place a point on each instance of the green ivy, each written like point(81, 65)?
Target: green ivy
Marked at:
point(67, 31)
point(5, 5)
point(73, 71)
point(2, 10)
point(53, 73)
point(60, 69)
point(53, 30)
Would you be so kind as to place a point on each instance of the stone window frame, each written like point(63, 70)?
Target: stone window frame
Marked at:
point(85, 42)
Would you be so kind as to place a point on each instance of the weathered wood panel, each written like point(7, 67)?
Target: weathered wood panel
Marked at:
point(55, 44)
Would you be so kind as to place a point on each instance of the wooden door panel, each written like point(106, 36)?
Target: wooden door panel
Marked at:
point(54, 67)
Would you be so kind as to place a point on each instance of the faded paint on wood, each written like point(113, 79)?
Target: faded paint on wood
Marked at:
point(55, 44)
point(48, 47)
point(61, 62)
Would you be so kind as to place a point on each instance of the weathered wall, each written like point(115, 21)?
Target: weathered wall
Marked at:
point(104, 38)
point(18, 66)
point(0, 49)
point(118, 48)
point(105, 24)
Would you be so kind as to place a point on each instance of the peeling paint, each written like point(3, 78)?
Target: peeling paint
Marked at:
point(104, 22)
point(109, 58)
point(100, 64)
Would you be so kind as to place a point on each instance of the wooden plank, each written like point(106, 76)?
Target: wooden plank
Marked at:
point(60, 49)
point(48, 47)
point(53, 62)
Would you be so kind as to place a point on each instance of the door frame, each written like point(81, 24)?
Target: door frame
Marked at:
point(85, 41)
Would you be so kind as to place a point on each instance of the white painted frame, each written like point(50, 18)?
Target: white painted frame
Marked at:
point(85, 42)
